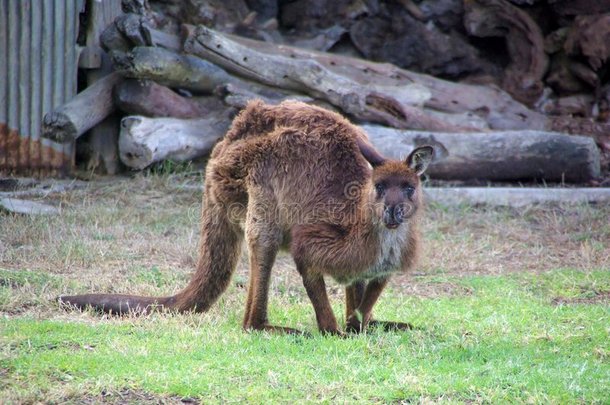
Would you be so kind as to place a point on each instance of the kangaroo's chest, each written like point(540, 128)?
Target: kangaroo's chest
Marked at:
point(388, 258)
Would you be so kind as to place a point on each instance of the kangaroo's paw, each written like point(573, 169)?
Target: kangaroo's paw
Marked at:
point(353, 324)
point(278, 330)
point(333, 332)
point(390, 326)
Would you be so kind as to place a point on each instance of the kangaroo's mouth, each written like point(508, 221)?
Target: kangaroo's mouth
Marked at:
point(392, 225)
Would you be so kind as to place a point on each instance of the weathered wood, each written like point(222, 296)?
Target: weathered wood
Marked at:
point(239, 94)
point(129, 25)
point(369, 91)
point(599, 131)
point(589, 36)
point(396, 106)
point(561, 77)
point(27, 207)
point(103, 137)
point(508, 155)
point(578, 104)
point(145, 97)
point(80, 114)
point(103, 147)
point(159, 38)
point(112, 39)
point(580, 7)
point(144, 141)
point(125, 32)
point(170, 69)
point(517, 196)
point(394, 36)
point(524, 40)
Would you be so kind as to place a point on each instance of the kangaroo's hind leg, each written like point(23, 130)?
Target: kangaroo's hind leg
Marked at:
point(362, 316)
point(353, 297)
point(316, 290)
point(263, 238)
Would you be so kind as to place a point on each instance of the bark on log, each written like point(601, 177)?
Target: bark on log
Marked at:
point(370, 101)
point(599, 131)
point(378, 103)
point(144, 141)
point(589, 36)
point(369, 91)
point(578, 104)
point(103, 148)
point(27, 207)
point(239, 94)
point(395, 36)
point(170, 69)
point(580, 7)
point(499, 18)
point(498, 156)
point(565, 75)
point(80, 114)
point(145, 97)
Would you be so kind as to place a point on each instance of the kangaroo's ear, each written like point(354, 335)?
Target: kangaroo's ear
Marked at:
point(369, 152)
point(420, 158)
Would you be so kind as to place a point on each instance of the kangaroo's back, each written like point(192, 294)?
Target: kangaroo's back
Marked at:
point(306, 154)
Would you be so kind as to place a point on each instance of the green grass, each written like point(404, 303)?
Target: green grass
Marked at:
point(505, 341)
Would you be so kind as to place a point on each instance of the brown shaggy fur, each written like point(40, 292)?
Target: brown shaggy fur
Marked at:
point(298, 177)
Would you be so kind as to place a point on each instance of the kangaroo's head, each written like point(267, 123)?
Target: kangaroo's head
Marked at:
point(396, 188)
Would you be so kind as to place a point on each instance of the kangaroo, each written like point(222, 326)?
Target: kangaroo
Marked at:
point(304, 179)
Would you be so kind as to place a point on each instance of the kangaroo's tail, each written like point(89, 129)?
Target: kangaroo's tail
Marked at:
point(115, 303)
point(219, 250)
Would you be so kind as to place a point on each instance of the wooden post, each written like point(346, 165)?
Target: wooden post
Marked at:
point(103, 138)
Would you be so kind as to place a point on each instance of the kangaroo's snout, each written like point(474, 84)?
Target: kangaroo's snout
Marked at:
point(395, 215)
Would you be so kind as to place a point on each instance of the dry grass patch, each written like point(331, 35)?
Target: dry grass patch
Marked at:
point(487, 240)
point(140, 235)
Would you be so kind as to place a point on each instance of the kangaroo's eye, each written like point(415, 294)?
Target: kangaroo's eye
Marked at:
point(409, 191)
point(380, 188)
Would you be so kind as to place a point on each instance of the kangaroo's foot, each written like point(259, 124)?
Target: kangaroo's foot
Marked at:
point(390, 326)
point(354, 325)
point(283, 330)
point(333, 332)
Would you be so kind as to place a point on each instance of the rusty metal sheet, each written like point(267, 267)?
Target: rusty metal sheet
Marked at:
point(38, 67)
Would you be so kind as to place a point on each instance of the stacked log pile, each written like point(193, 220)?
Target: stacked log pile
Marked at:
point(504, 71)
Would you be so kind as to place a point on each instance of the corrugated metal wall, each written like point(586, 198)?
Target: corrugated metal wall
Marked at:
point(38, 68)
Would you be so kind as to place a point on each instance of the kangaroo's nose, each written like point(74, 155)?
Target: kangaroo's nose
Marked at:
point(399, 213)
point(393, 216)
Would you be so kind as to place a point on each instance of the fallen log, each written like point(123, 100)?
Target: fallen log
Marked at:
point(144, 141)
point(498, 156)
point(524, 40)
point(170, 69)
point(578, 104)
point(396, 106)
point(85, 110)
point(238, 95)
point(145, 97)
point(516, 196)
point(414, 44)
point(369, 91)
point(27, 207)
